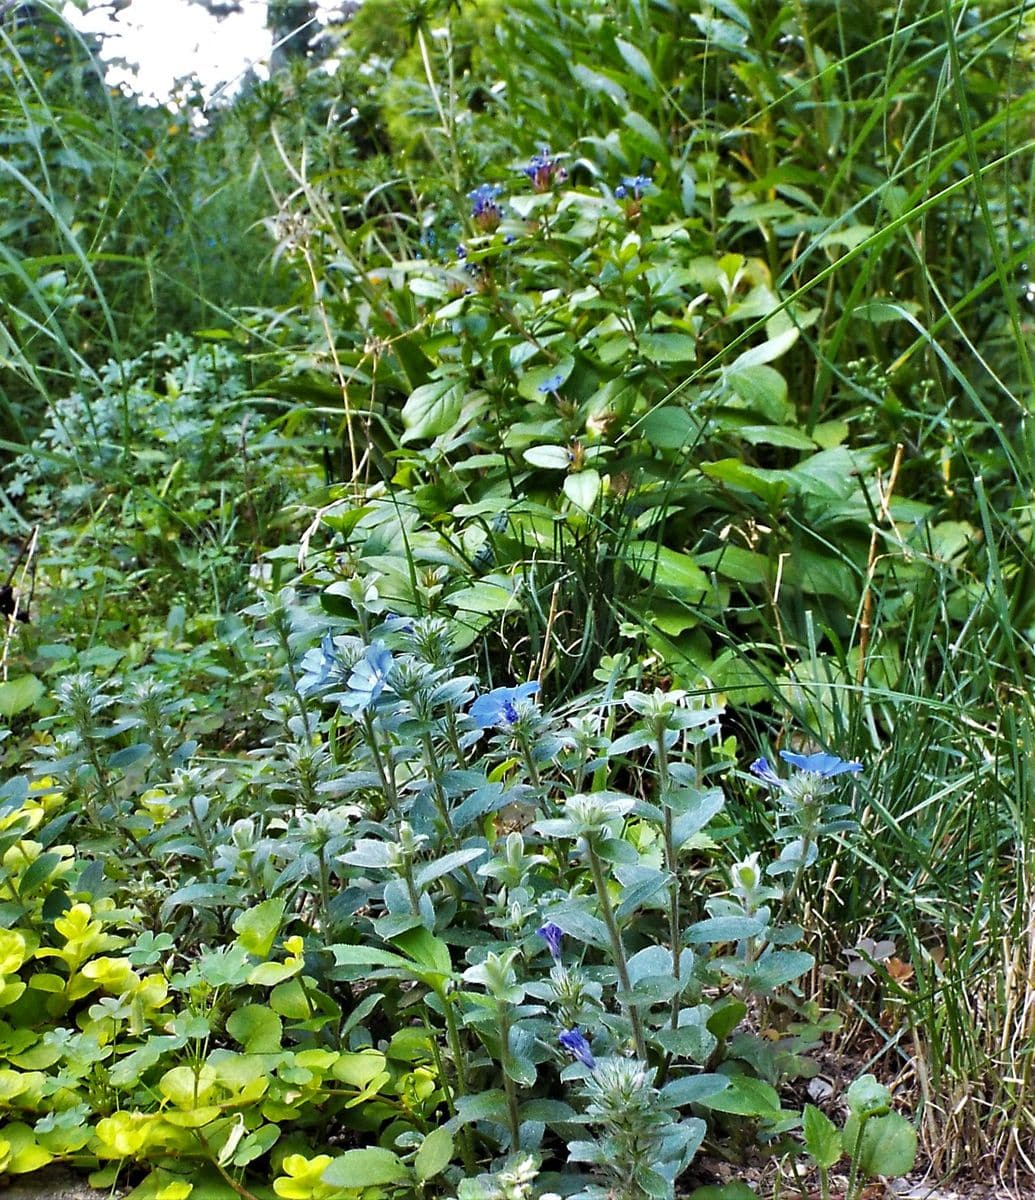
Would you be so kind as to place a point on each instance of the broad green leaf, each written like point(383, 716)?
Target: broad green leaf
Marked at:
point(694, 1089)
point(583, 488)
point(636, 60)
point(765, 353)
point(736, 563)
point(16, 695)
point(669, 428)
point(434, 1154)
point(432, 409)
point(723, 929)
point(746, 1097)
point(887, 1146)
point(551, 458)
point(822, 1138)
point(372, 1167)
point(256, 1027)
point(668, 347)
point(769, 486)
point(645, 137)
point(667, 569)
point(598, 84)
point(540, 383)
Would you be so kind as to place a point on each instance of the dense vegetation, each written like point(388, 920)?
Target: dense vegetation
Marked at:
point(518, 673)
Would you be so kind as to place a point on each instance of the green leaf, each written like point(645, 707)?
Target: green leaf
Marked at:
point(583, 488)
point(598, 84)
point(776, 435)
point(434, 1154)
point(668, 569)
point(16, 695)
point(736, 563)
point(769, 486)
point(724, 1191)
point(551, 458)
point(765, 353)
point(668, 347)
point(372, 1167)
point(432, 409)
point(694, 1089)
point(425, 949)
point(887, 1146)
point(257, 927)
point(724, 929)
point(746, 1097)
point(645, 137)
point(635, 60)
point(822, 1138)
point(669, 428)
point(484, 598)
point(781, 967)
point(256, 1027)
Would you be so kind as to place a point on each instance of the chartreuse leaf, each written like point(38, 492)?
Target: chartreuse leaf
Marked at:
point(257, 927)
point(256, 1027)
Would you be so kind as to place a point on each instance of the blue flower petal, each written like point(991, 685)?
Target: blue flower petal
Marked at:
point(825, 765)
point(765, 772)
point(497, 708)
point(574, 1041)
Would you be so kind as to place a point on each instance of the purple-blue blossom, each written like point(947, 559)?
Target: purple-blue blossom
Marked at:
point(553, 935)
point(369, 677)
point(543, 170)
point(318, 666)
point(634, 185)
point(826, 766)
point(498, 708)
point(485, 212)
point(551, 384)
point(574, 1041)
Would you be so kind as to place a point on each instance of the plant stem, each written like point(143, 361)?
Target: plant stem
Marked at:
point(618, 950)
point(509, 1087)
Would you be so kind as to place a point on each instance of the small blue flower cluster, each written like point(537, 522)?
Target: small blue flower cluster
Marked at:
point(634, 186)
point(485, 212)
point(544, 170)
point(357, 682)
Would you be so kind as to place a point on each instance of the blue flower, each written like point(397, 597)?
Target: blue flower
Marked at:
point(824, 765)
point(553, 935)
point(551, 384)
point(369, 677)
point(498, 708)
point(318, 666)
point(574, 1041)
point(543, 170)
point(485, 212)
point(635, 184)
